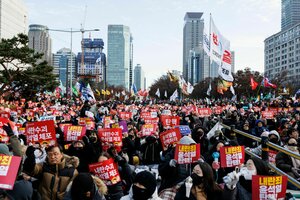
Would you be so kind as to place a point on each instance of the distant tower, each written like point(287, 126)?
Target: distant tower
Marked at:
point(290, 13)
point(139, 77)
point(40, 41)
point(118, 55)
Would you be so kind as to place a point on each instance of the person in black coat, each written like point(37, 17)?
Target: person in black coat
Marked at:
point(203, 185)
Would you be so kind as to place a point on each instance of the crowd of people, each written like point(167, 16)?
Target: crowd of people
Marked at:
point(61, 170)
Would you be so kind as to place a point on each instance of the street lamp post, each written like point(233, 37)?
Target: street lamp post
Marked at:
point(71, 55)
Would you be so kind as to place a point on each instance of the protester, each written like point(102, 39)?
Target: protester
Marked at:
point(143, 188)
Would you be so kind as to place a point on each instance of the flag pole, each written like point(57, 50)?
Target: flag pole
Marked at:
point(209, 64)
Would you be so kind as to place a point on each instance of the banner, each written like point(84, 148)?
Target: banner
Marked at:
point(204, 112)
point(9, 166)
point(74, 133)
point(168, 137)
point(232, 156)
point(148, 129)
point(267, 114)
point(47, 118)
point(107, 171)
point(268, 187)
point(272, 156)
point(170, 121)
point(151, 120)
point(42, 132)
point(148, 115)
point(125, 115)
point(184, 130)
point(110, 136)
point(5, 115)
point(185, 154)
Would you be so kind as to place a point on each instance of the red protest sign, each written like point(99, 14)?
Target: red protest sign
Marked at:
point(272, 156)
point(204, 112)
point(268, 187)
point(232, 156)
point(107, 171)
point(42, 132)
point(151, 120)
point(148, 129)
point(169, 120)
point(74, 133)
point(62, 126)
point(148, 115)
point(267, 114)
point(107, 121)
point(3, 121)
point(67, 117)
point(185, 154)
point(274, 110)
point(110, 136)
point(5, 115)
point(125, 115)
point(218, 110)
point(169, 137)
point(82, 121)
point(9, 166)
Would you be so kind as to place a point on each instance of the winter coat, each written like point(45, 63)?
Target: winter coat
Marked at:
point(172, 175)
point(150, 151)
point(129, 196)
point(100, 191)
point(115, 192)
point(284, 162)
point(54, 179)
point(238, 193)
point(181, 195)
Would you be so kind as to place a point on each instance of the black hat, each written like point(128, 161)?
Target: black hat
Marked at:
point(82, 184)
point(147, 179)
point(261, 166)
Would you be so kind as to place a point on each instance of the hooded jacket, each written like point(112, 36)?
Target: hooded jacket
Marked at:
point(130, 195)
point(100, 191)
point(54, 179)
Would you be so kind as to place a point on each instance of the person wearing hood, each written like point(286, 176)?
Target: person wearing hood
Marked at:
point(86, 187)
point(200, 185)
point(80, 150)
point(289, 164)
point(259, 128)
point(199, 134)
point(92, 145)
point(54, 174)
point(240, 187)
point(150, 150)
point(273, 136)
point(170, 171)
point(143, 187)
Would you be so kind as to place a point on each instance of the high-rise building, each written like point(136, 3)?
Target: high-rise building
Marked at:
point(282, 50)
point(290, 13)
point(13, 18)
point(139, 77)
point(62, 65)
point(92, 62)
point(195, 62)
point(40, 41)
point(131, 62)
point(119, 45)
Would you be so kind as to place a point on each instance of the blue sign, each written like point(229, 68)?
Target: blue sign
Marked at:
point(184, 130)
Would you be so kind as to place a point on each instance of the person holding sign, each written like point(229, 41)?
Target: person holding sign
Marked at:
point(238, 184)
point(203, 185)
point(55, 173)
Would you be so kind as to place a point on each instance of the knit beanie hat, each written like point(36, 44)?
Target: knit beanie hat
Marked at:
point(147, 179)
point(82, 184)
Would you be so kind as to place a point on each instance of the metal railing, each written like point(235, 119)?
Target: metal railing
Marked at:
point(265, 152)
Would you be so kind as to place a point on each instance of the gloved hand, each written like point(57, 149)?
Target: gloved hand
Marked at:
point(172, 163)
point(8, 130)
point(29, 162)
point(296, 172)
point(30, 152)
point(231, 180)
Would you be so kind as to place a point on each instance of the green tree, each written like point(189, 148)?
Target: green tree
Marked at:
point(21, 69)
point(164, 84)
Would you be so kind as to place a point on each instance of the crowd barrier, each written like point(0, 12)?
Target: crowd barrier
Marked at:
point(265, 149)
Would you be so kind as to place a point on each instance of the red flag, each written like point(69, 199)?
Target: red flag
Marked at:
point(267, 83)
point(253, 83)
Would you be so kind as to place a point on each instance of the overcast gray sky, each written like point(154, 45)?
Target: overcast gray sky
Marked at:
point(157, 26)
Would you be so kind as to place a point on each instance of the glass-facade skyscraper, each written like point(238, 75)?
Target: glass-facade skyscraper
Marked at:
point(139, 77)
point(118, 55)
point(195, 61)
point(290, 13)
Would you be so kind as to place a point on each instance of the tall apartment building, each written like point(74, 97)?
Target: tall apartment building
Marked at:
point(139, 77)
point(290, 13)
point(195, 61)
point(40, 41)
point(94, 60)
point(13, 18)
point(282, 50)
point(62, 65)
point(119, 50)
